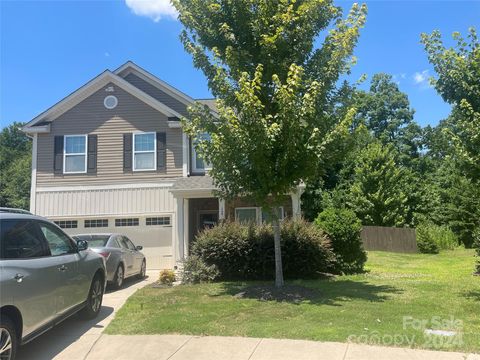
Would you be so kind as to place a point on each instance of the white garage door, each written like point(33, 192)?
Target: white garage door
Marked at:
point(154, 233)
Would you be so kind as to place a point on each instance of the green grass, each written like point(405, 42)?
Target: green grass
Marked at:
point(369, 306)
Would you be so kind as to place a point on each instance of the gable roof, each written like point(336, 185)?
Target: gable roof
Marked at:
point(88, 89)
point(117, 78)
point(211, 103)
point(130, 67)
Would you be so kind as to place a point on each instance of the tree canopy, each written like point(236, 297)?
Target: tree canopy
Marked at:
point(272, 86)
point(457, 81)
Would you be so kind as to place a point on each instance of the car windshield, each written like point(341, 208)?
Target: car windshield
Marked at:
point(94, 240)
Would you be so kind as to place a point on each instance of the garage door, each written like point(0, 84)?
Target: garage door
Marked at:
point(154, 233)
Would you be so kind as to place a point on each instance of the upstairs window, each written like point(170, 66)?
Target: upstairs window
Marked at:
point(144, 151)
point(198, 163)
point(75, 154)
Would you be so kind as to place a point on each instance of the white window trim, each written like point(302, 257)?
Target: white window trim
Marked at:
point(258, 213)
point(74, 154)
point(194, 160)
point(206, 166)
point(145, 151)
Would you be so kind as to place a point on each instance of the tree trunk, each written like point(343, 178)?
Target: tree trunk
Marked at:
point(278, 250)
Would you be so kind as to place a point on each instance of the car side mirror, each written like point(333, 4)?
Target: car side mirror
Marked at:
point(139, 247)
point(82, 245)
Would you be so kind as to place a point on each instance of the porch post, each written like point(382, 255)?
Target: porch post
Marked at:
point(221, 209)
point(179, 238)
point(186, 231)
point(296, 202)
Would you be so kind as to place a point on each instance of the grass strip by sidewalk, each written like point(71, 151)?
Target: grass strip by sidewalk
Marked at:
point(384, 306)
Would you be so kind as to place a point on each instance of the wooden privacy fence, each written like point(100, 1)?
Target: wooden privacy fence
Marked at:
point(403, 240)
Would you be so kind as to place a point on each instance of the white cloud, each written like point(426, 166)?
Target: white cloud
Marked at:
point(422, 79)
point(154, 9)
point(397, 78)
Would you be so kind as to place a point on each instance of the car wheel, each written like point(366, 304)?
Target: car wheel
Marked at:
point(119, 277)
point(94, 300)
point(8, 339)
point(143, 270)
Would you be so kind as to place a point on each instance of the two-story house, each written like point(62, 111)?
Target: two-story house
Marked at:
point(112, 158)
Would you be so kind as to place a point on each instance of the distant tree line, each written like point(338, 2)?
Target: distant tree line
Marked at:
point(391, 171)
point(15, 167)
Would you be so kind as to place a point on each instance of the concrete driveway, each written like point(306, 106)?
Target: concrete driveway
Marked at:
point(74, 338)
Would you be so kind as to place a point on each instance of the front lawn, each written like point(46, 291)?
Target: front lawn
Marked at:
point(385, 306)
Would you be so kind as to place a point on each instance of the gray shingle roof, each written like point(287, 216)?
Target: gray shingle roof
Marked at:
point(194, 182)
point(211, 103)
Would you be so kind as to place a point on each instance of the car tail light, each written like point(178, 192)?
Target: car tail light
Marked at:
point(105, 254)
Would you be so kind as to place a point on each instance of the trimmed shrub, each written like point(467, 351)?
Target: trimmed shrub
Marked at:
point(343, 228)
point(442, 236)
point(246, 251)
point(195, 271)
point(167, 277)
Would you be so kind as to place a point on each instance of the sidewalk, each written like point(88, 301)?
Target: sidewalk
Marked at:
point(180, 347)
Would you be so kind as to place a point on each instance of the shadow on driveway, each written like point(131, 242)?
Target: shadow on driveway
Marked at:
point(56, 340)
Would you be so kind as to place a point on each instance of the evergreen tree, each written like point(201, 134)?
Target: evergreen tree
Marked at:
point(376, 194)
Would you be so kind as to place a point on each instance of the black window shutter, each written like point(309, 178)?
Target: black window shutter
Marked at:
point(161, 151)
point(58, 155)
point(127, 152)
point(92, 154)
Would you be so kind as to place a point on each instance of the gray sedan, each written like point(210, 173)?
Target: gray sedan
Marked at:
point(123, 258)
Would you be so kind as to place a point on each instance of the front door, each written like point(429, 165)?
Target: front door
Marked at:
point(207, 219)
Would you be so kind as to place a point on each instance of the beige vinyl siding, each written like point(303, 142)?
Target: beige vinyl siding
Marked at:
point(104, 202)
point(91, 117)
point(158, 94)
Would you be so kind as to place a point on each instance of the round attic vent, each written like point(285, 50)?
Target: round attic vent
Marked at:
point(110, 102)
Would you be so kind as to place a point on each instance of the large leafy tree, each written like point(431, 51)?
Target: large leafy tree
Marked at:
point(15, 160)
point(458, 82)
point(386, 112)
point(273, 86)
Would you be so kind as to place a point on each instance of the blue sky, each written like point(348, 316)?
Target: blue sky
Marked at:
point(50, 48)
